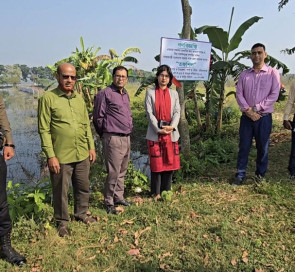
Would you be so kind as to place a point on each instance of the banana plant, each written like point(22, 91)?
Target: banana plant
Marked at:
point(224, 66)
point(93, 71)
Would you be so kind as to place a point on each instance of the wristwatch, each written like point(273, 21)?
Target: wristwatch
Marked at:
point(255, 109)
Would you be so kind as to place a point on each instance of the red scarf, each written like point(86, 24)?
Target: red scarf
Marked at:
point(163, 112)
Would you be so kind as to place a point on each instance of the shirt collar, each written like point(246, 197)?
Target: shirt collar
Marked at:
point(263, 68)
point(61, 93)
point(116, 89)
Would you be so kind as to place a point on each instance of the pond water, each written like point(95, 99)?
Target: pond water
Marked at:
point(28, 166)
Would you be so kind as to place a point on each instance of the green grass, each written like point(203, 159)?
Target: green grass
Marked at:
point(207, 226)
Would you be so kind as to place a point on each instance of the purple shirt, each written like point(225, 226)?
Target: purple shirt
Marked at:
point(258, 89)
point(112, 112)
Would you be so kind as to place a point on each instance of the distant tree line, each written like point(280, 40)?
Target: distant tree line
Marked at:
point(13, 74)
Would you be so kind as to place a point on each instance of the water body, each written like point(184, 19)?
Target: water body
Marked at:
point(28, 166)
point(21, 109)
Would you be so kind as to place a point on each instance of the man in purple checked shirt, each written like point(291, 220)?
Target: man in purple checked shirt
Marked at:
point(112, 120)
point(257, 90)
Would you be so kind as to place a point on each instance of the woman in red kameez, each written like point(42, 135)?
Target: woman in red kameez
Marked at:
point(163, 112)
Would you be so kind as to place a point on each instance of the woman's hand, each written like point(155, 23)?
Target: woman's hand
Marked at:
point(164, 131)
point(168, 128)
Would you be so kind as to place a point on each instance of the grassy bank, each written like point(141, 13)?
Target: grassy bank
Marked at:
point(207, 226)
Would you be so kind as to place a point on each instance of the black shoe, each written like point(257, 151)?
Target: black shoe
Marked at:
point(111, 209)
point(9, 254)
point(238, 181)
point(63, 230)
point(123, 202)
point(259, 178)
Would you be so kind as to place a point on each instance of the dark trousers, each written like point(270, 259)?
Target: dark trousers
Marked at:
point(259, 130)
point(291, 166)
point(161, 181)
point(78, 172)
point(116, 151)
point(5, 222)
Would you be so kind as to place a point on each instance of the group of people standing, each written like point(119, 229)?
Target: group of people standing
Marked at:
point(67, 141)
point(68, 144)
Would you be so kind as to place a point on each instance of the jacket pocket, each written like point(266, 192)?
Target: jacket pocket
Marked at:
point(176, 148)
point(154, 149)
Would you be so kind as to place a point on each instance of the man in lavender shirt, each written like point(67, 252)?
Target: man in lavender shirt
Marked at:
point(257, 91)
point(112, 120)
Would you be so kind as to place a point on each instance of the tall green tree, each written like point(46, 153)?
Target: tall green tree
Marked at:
point(183, 124)
point(12, 75)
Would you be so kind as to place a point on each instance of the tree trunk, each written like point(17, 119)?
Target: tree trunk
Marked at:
point(220, 108)
point(183, 124)
point(208, 106)
point(197, 109)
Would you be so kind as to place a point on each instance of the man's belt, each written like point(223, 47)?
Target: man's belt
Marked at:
point(117, 134)
point(261, 114)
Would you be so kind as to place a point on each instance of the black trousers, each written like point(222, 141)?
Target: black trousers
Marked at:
point(291, 167)
point(5, 221)
point(161, 181)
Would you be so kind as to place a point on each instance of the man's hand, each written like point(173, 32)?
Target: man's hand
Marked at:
point(254, 116)
point(53, 165)
point(287, 124)
point(8, 153)
point(92, 156)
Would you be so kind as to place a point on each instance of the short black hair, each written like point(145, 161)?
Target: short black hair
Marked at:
point(161, 69)
point(258, 45)
point(120, 67)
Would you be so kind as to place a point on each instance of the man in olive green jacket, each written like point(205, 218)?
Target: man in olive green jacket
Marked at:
point(67, 142)
point(7, 252)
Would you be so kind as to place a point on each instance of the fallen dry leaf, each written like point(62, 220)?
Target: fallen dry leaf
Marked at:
point(123, 231)
point(175, 201)
point(167, 254)
point(259, 270)
point(205, 236)
point(245, 257)
point(137, 200)
point(137, 234)
point(193, 215)
point(206, 260)
point(233, 262)
point(239, 219)
point(218, 239)
point(164, 267)
point(120, 209)
point(91, 258)
point(116, 239)
point(134, 251)
point(128, 221)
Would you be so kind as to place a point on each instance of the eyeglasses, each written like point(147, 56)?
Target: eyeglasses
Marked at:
point(119, 76)
point(67, 77)
point(165, 76)
point(257, 53)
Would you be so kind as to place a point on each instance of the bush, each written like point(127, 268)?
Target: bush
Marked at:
point(205, 155)
point(29, 202)
point(135, 181)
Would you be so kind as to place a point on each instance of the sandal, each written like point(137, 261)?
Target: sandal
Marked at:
point(87, 219)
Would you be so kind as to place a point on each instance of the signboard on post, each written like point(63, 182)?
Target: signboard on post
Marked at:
point(189, 60)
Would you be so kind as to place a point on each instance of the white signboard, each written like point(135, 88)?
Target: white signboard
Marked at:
point(189, 60)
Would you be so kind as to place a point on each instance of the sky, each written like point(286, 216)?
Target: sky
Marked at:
point(37, 33)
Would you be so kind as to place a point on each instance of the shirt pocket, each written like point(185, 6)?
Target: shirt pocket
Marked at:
point(154, 149)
